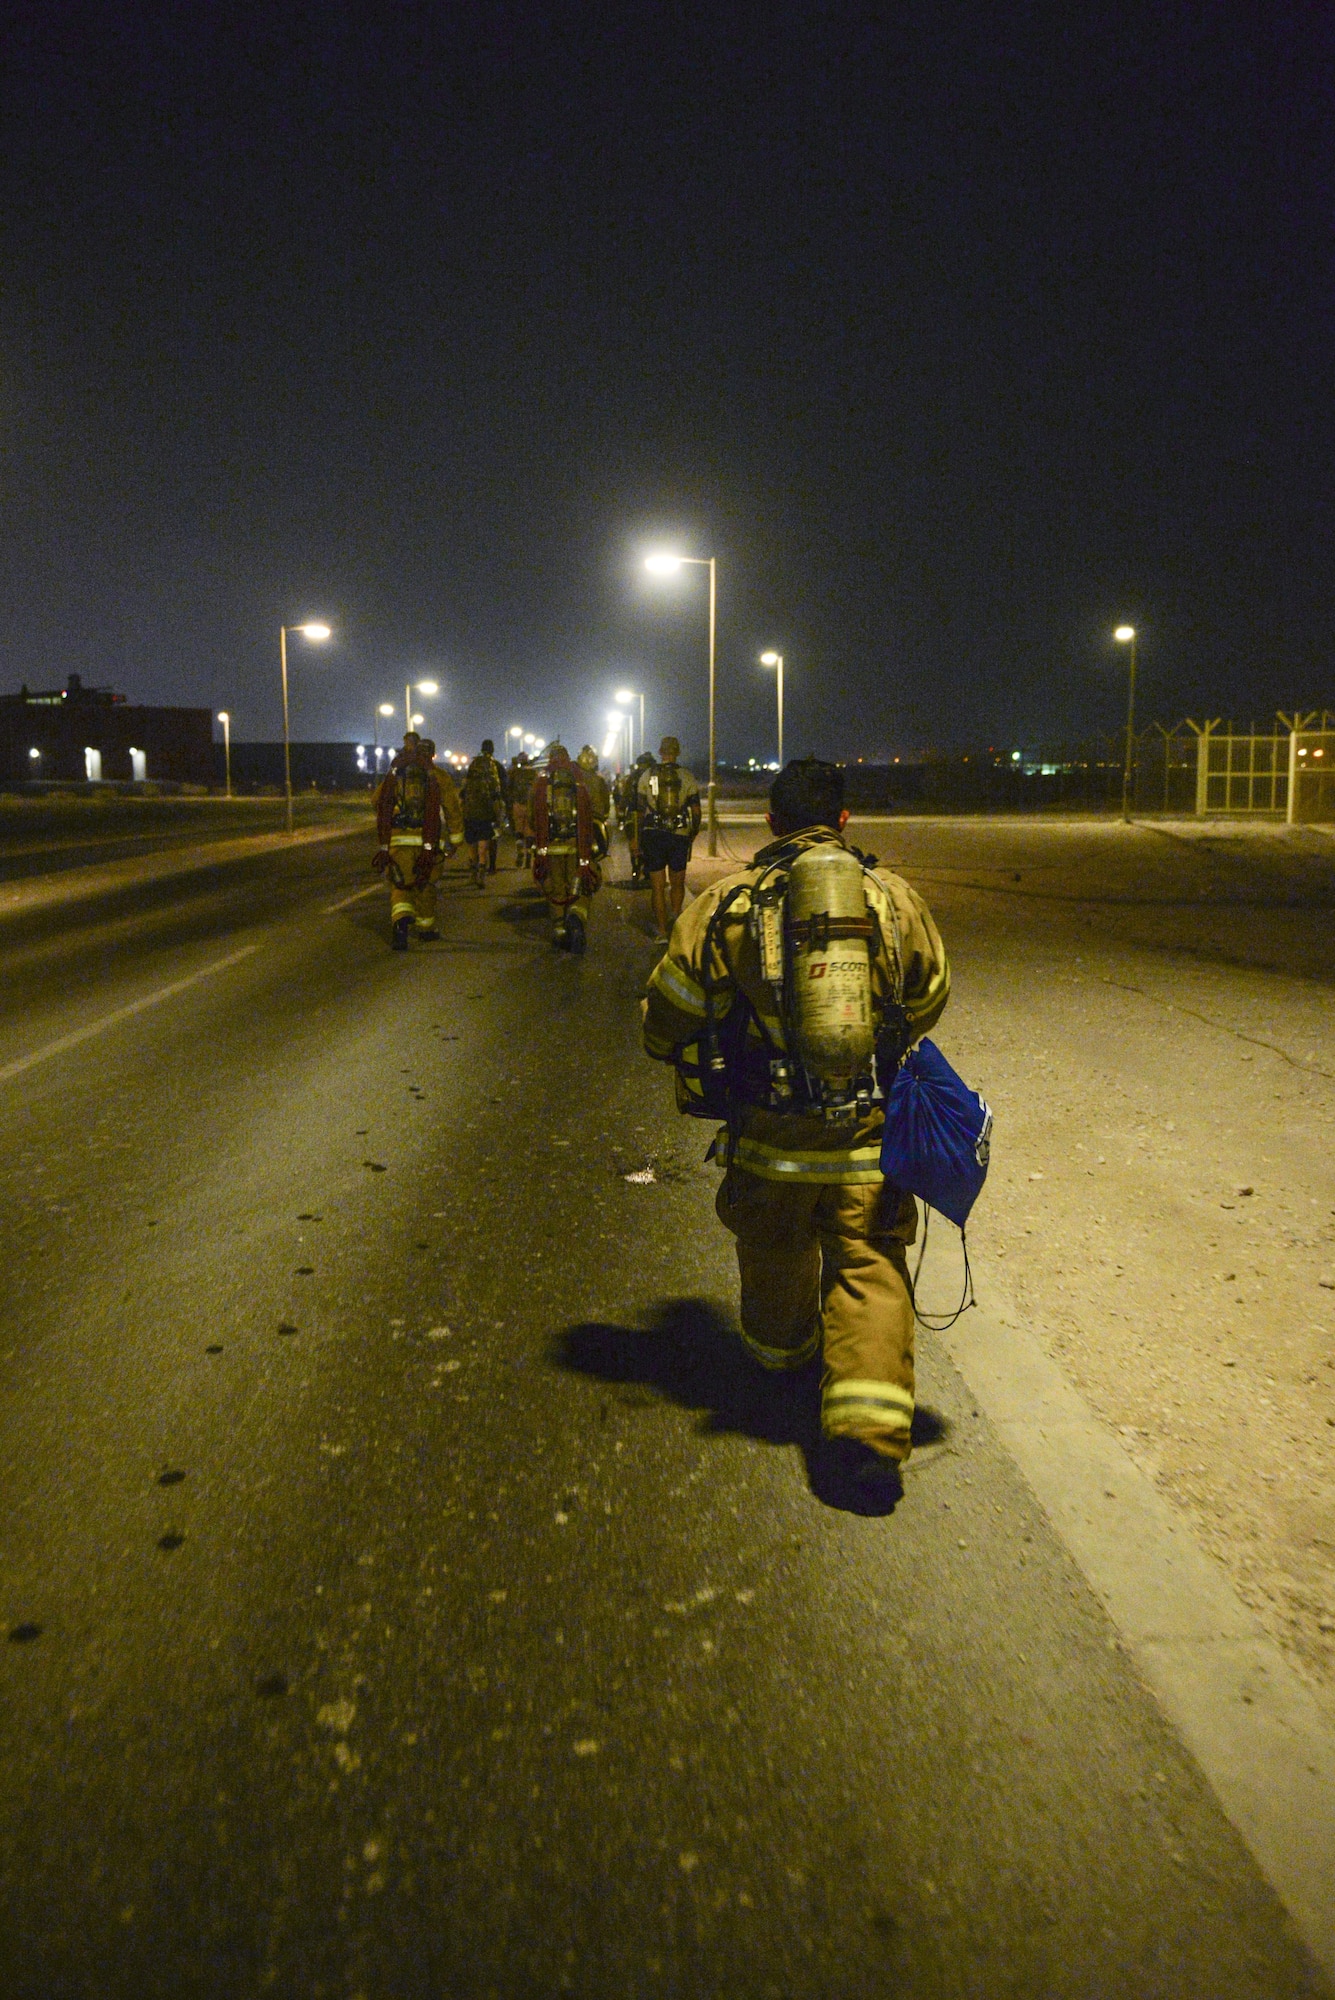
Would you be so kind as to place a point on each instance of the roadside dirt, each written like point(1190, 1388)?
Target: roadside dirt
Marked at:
point(1150, 1011)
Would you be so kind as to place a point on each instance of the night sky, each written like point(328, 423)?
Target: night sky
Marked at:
point(956, 332)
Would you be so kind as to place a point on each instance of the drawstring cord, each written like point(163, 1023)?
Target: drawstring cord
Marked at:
point(967, 1296)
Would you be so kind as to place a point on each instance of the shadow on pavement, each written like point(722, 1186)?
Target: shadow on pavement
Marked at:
point(690, 1353)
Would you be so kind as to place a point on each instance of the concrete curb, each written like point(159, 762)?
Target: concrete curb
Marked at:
point(1253, 1727)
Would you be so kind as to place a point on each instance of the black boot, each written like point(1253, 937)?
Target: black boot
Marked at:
point(399, 940)
point(575, 938)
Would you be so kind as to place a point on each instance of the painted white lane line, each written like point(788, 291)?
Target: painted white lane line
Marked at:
point(1254, 1728)
point(119, 1014)
point(376, 889)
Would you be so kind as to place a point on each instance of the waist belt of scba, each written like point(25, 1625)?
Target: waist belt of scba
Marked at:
point(398, 838)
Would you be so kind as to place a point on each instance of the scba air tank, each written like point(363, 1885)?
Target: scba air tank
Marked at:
point(829, 966)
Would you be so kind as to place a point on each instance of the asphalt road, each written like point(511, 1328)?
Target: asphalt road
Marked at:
point(408, 1590)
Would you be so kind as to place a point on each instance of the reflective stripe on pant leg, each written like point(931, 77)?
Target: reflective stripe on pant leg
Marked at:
point(559, 885)
point(867, 1388)
point(404, 850)
point(861, 1409)
point(778, 1261)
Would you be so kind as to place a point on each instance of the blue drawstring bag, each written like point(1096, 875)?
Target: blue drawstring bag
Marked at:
point(938, 1134)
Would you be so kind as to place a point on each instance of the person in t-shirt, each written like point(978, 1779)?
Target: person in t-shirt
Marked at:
point(484, 804)
point(669, 813)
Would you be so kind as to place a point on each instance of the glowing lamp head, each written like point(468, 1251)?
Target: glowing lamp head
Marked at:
point(314, 631)
point(1124, 634)
point(623, 694)
point(385, 708)
point(427, 687)
point(223, 716)
point(769, 659)
point(662, 565)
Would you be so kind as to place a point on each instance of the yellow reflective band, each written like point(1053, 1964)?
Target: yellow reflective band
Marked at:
point(782, 1357)
point(405, 840)
point(859, 1406)
point(677, 987)
point(859, 1166)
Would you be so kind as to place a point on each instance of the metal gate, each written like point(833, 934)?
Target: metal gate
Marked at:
point(1288, 769)
point(1238, 774)
point(1311, 786)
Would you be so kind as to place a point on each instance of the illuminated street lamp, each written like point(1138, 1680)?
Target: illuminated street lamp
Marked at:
point(1125, 635)
point(226, 722)
point(620, 722)
point(626, 696)
point(776, 660)
point(423, 687)
point(667, 565)
point(316, 633)
point(516, 730)
point(385, 708)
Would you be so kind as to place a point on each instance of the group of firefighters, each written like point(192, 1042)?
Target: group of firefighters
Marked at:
point(559, 813)
point(785, 998)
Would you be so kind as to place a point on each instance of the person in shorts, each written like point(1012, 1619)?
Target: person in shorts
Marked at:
point(669, 815)
point(484, 804)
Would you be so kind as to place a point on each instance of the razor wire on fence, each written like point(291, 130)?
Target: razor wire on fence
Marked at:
point(1284, 770)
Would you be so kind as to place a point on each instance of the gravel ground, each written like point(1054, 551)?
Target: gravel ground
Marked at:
point(1151, 1013)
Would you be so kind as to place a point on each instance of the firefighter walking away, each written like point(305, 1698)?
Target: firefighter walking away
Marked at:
point(786, 1000)
point(521, 808)
point(565, 860)
point(407, 818)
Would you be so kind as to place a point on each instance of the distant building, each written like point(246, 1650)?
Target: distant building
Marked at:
point(78, 734)
point(329, 767)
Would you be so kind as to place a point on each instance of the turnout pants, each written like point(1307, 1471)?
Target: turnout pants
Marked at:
point(406, 901)
point(561, 886)
point(826, 1265)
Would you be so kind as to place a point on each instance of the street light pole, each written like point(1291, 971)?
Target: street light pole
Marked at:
point(665, 565)
point(385, 708)
point(713, 758)
point(226, 721)
point(319, 633)
point(776, 660)
point(423, 687)
point(1125, 635)
point(287, 739)
point(627, 698)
